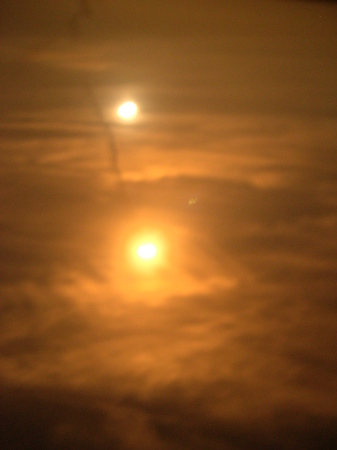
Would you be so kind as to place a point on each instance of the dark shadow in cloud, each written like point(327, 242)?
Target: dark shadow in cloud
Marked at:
point(291, 430)
point(39, 418)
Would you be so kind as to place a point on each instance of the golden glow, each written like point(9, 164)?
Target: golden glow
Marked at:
point(127, 111)
point(155, 259)
point(147, 251)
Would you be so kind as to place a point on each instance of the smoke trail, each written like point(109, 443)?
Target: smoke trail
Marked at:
point(84, 12)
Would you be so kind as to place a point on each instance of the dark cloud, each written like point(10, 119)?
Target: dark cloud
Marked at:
point(169, 420)
point(38, 418)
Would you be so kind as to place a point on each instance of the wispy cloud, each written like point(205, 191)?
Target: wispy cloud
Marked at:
point(228, 343)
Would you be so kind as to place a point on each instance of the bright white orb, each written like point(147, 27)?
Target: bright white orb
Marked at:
point(147, 251)
point(127, 111)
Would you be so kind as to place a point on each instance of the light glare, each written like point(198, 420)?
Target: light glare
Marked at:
point(147, 251)
point(127, 110)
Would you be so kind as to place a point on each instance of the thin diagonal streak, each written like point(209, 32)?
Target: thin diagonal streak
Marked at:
point(84, 12)
point(107, 129)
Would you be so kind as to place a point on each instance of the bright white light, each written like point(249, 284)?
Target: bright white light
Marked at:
point(127, 111)
point(147, 251)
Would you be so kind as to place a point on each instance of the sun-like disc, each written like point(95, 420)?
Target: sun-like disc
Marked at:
point(147, 251)
point(127, 110)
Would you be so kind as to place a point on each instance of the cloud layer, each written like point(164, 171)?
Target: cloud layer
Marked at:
point(229, 343)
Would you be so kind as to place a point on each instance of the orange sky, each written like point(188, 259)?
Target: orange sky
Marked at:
point(228, 341)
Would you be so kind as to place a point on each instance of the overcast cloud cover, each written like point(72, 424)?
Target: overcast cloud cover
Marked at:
point(231, 342)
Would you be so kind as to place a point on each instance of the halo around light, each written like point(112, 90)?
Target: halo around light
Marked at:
point(127, 111)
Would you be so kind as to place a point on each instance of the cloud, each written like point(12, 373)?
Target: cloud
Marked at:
point(168, 420)
point(228, 343)
point(246, 274)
